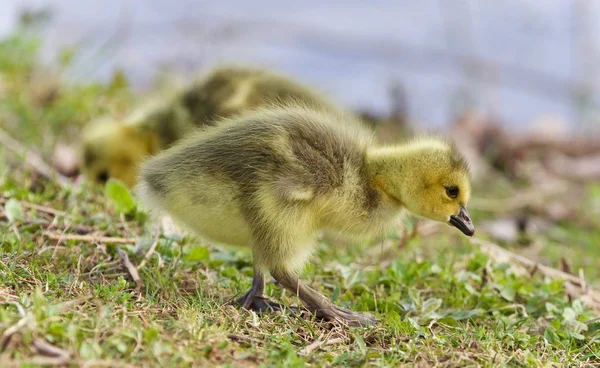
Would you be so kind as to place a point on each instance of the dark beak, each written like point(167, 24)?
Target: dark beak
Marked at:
point(462, 222)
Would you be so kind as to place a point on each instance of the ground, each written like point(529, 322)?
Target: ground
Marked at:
point(85, 279)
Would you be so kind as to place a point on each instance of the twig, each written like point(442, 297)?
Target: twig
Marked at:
point(318, 343)
point(309, 348)
point(499, 252)
point(130, 268)
point(91, 238)
point(65, 306)
point(502, 254)
point(49, 350)
point(32, 159)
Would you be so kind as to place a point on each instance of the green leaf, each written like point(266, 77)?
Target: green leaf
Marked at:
point(459, 315)
point(550, 336)
point(470, 289)
point(120, 195)
point(576, 326)
point(230, 272)
point(577, 336)
point(593, 327)
point(14, 210)
point(394, 321)
point(362, 346)
point(508, 293)
point(336, 294)
point(551, 308)
point(431, 305)
point(569, 314)
point(197, 254)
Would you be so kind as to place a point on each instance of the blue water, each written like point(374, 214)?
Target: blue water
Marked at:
point(518, 59)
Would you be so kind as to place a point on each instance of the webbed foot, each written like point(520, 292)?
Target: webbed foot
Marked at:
point(255, 300)
point(258, 303)
point(320, 305)
point(346, 316)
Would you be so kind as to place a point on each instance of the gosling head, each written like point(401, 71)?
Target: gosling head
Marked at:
point(110, 149)
point(430, 178)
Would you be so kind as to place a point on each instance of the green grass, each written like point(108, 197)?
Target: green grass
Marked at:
point(441, 300)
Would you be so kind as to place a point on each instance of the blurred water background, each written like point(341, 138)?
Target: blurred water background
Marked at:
point(524, 61)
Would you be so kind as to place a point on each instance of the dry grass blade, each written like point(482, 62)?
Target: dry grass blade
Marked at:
point(151, 250)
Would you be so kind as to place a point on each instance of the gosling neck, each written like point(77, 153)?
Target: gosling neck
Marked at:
point(388, 170)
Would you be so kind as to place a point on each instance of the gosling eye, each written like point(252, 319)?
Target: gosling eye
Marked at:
point(452, 191)
point(103, 176)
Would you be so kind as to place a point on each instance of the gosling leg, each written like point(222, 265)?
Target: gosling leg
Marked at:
point(254, 298)
point(319, 304)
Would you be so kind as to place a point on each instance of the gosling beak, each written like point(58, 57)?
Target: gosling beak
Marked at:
point(462, 222)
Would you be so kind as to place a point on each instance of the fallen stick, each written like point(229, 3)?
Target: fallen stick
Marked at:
point(91, 238)
point(318, 343)
point(500, 253)
point(135, 276)
point(504, 255)
point(46, 349)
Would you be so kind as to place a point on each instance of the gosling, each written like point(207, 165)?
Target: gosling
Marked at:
point(114, 148)
point(271, 179)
